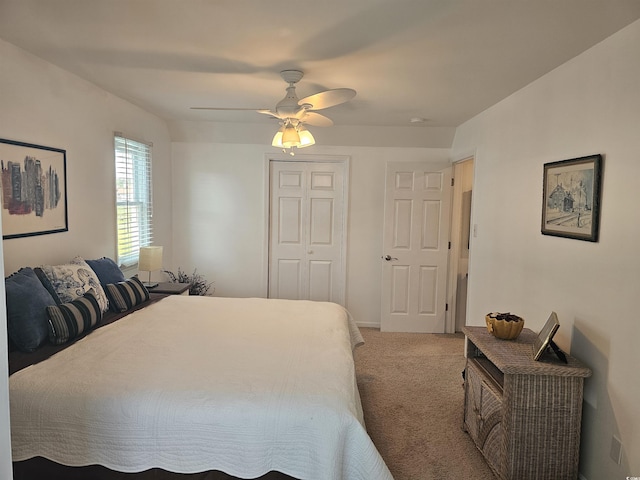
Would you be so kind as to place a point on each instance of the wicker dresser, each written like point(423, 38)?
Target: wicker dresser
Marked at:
point(523, 415)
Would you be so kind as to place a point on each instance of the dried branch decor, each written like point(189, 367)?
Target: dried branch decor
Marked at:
point(198, 285)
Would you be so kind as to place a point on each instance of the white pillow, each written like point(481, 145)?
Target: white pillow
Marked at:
point(73, 280)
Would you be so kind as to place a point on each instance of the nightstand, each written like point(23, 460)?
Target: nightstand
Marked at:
point(170, 288)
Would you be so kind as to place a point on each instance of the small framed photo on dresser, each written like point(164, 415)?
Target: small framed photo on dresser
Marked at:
point(545, 337)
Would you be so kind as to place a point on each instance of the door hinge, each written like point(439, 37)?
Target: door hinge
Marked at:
point(449, 245)
point(446, 307)
point(453, 180)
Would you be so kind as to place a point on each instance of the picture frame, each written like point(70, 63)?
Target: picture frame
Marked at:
point(571, 198)
point(545, 337)
point(33, 189)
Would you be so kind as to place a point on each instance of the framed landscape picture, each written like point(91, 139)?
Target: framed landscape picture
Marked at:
point(33, 188)
point(571, 198)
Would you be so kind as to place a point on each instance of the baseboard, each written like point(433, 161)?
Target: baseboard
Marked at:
point(368, 325)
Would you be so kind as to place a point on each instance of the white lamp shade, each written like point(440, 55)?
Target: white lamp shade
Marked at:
point(150, 259)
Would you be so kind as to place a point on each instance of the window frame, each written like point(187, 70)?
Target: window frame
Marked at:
point(133, 198)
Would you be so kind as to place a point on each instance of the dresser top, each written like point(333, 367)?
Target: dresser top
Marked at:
point(515, 357)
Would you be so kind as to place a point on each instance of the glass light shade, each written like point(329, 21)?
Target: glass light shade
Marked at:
point(277, 139)
point(306, 139)
point(150, 259)
point(290, 137)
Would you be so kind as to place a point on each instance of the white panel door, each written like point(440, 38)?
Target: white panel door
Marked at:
point(415, 247)
point(306, 239)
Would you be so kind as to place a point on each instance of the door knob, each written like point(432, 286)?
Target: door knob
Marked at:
point(388, 258)
point(310, 252)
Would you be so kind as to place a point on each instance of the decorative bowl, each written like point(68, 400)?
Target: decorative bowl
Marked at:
point(505, 326)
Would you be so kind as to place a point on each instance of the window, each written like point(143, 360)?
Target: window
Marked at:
point(134, 206)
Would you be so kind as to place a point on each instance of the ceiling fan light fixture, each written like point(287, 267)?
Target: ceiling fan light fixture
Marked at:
point(294, 113)
point(277, 139)
point(290, 137)
point(306, 139)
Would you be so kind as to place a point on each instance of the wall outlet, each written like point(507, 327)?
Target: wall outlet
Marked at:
point(616, 450)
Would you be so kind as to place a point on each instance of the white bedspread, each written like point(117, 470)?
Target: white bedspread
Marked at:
point(190, 384)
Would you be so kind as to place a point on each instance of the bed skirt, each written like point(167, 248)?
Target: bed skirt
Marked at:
point(39, 468)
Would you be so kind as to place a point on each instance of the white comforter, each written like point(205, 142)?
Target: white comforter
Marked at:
point(190, 384)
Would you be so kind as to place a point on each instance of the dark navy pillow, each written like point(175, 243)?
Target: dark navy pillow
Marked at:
point(125, 295)
point(107, 270)
point(70, 320)
point(27, 299)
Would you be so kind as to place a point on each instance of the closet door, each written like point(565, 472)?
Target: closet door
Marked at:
point(306, 211)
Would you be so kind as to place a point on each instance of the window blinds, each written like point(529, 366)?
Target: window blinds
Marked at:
point(134, 205)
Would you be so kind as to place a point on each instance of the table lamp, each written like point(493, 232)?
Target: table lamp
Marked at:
point(149, 261)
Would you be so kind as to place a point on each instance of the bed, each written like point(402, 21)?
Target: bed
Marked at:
point(186, 385)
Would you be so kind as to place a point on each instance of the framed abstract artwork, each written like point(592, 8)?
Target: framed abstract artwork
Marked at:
point(33, 189)
point(571, 198)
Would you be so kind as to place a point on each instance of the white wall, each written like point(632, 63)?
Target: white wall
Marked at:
point(589, 105)
point(44, 105)
point(220, 209)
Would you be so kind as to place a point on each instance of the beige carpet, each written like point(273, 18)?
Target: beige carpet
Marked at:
point(412, 396)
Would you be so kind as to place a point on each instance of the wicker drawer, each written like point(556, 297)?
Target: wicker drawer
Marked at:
point(472, 401)
point(483, 413)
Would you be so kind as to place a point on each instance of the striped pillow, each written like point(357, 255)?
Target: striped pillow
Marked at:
point(68, 320)
point(126, 295)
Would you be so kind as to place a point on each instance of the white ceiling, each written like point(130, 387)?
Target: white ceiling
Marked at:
point(442, 60)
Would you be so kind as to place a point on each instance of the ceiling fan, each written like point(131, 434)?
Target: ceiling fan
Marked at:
point(295, 113)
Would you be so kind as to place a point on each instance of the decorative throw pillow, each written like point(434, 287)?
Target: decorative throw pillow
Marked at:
point(27, 299)
point(106, 270)
point(126, 295)
point(69, 320)
point(70, 281)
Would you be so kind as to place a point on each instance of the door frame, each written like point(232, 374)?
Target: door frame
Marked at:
point(454, 233)
point(304, 158)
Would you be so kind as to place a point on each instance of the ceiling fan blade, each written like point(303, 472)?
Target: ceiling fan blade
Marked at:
point(268, 112)
point(316, 120)
point(265, 111)
point(228, 109)
point(328, 98)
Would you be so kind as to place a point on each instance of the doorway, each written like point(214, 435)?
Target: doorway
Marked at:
point(307, 229)
point(460, 241)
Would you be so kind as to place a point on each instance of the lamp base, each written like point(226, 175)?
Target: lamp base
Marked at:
point(150, 285)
